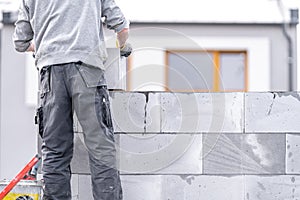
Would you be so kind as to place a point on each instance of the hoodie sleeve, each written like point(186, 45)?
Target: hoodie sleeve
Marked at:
point(23, 33)
point(114, 18)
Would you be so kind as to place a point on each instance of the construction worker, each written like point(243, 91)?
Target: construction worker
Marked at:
point(68, 42)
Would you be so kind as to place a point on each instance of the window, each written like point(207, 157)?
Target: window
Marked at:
point(215, 71)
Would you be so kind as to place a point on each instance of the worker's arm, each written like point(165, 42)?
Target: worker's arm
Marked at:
point(115, 20)
point(23, 34)
point(122, 37)
point(113, 16)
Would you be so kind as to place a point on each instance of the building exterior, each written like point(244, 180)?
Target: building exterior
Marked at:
point(180, 47)
point(17, 130)
point(237, 46)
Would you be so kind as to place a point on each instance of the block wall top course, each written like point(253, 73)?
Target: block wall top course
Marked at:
point(166, 112)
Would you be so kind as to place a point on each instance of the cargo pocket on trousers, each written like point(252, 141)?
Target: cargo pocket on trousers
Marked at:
point(44, 81)
point(105, 106)
point(44, 88)
point(103, 110)
point(39, 121)
point(107, 114)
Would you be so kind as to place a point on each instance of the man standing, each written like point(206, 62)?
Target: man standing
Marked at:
point(67, 38)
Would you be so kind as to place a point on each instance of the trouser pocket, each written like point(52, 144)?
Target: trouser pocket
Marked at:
point(44, 81)
point(103, 111)
point(103, 101)
point(39, 120)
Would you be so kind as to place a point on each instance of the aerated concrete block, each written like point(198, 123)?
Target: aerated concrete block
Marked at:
point(293, 154)
point(76, 125)
point(128, 112)
point(75, 186)
point(187, 187)
point(160, 154)
point(148, 153)
point(142, 187)
point(222, 154)
point(115, 70)
point(85, 187)
point(182, 187)
point(80, 160)
point(135, 112)
point(272, 188)
point(153, 113)
point(244, 154)
point(263, 153)
point(272, 112)
point(202, 112)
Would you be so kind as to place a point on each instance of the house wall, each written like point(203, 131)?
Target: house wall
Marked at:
point(18, 136)
point(266, 46)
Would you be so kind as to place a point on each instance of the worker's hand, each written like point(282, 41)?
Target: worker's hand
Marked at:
point(31, 48)
point(126, 50)
point(122, 37)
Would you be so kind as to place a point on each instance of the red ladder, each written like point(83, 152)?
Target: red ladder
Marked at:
point(20, 176)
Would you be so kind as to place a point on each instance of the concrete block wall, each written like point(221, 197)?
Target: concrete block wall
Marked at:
point(212, 146)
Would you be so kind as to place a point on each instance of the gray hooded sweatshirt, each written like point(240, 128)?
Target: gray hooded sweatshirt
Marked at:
point(66, 31)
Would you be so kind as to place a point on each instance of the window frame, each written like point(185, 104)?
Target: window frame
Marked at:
point(216, 71)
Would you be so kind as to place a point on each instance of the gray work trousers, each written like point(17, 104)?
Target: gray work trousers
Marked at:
point(66, 88)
